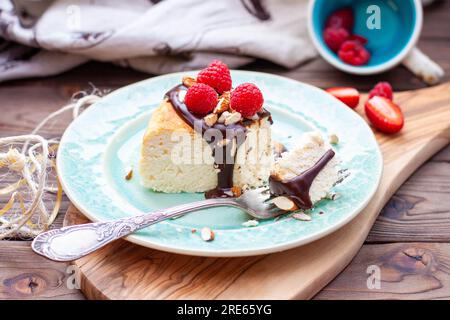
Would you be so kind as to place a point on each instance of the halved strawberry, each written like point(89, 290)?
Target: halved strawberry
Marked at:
point(348, 95)
point(384, 114)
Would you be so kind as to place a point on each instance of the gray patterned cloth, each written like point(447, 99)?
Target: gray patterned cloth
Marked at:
point(46, 37)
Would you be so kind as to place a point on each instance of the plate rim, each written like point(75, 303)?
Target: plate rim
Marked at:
point(139, 240)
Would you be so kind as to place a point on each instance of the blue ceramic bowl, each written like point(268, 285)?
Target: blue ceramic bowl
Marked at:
point(399, 29)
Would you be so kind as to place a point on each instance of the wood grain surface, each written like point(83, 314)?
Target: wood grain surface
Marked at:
point(24, 275)
point(408, 271)
point(124, 270)
point(418, 212)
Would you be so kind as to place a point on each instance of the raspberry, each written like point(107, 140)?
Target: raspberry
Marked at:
point(216, 75)
point(201, 99)
point(246, 99)
point(335, 37)
point(358, 38)
point(342, 18)
point(382, 89)
point(352, 52)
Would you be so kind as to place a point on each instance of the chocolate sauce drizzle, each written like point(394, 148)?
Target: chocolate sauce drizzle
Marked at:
point(221, 152)
point(297, 188)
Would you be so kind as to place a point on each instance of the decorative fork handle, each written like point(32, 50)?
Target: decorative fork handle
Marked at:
point(73, 242)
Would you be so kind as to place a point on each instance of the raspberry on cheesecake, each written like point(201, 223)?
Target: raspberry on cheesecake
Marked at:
point(196, 142)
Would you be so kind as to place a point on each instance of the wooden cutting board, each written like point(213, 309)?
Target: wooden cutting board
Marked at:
point(123, 270)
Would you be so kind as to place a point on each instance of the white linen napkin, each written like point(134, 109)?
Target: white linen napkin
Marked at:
point(47, 37)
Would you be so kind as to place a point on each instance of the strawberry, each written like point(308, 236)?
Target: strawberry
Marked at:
point(348, 95)
point(384, 114)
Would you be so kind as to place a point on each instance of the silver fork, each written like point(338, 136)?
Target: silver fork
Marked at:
point(73, 242)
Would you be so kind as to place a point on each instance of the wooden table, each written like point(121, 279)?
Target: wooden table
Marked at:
point(411, 237)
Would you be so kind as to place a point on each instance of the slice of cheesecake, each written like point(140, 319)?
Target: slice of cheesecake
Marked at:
point(307, 173)
point(176, 156)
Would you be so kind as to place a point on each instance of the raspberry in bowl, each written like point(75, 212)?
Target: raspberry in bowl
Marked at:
point(381, 33)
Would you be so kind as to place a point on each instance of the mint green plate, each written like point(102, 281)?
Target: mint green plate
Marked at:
point(99, 145)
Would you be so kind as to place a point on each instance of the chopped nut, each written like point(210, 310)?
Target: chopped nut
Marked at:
point(278, 148)
point(189, 81)
point(237, 191)
point(333, 138)
point(253, 117)
point(285, 204)
point(129, 174)
point(210, 119)
point(207, 234)
point(226, 96)
point(233, 118)
point(223, 116)
point(333, 196)
point(223, 104)
point(301, 216)
point(182, 95)
point(316, 137)
point(250, 223)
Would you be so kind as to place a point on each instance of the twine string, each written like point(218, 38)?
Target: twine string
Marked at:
point(26, 213)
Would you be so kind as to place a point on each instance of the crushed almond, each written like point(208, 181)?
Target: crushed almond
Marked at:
point(250, 223)
point(223, 116)
point(233, 118)
point(226, 96)
point(129, 174)
point(189, 81)
point(182, 95)
point(333, 196)
point(253, 117)
point(223, 104)
point(301, 216)
point(237, 191)
point(333, 138)
point(211, 119)
point(316, 137)
point(285, 204)
point(278, 148)
point(207, 234)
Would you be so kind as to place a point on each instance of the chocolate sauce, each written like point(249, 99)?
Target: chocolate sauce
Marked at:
point(222, 153)
point(297, 188)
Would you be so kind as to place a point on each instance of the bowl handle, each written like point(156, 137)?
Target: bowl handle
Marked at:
point(423, 67)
